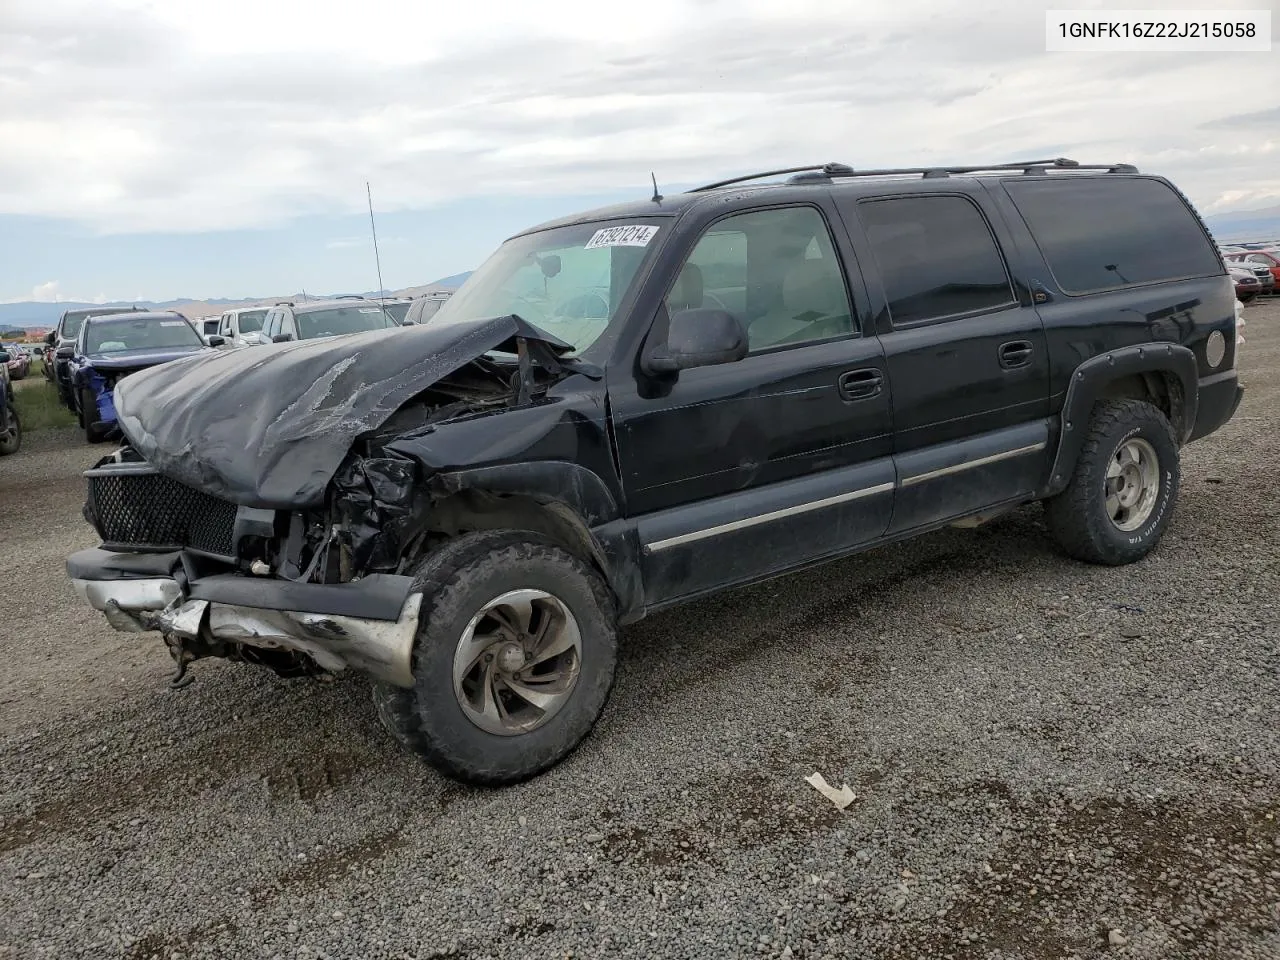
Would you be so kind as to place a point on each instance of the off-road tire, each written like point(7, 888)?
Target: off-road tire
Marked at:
point(1078, 518)
point(456, 581)
point(10, 444)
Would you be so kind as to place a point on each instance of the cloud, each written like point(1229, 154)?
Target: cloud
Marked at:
point(243, 114)
point(46, 292)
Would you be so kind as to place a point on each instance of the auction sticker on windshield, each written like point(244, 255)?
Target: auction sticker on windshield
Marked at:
point(633, 235)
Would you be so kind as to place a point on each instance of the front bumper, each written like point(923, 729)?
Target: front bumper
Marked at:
point(367, 625)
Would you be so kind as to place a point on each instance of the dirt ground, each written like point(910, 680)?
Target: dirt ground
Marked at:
point(1051, 760)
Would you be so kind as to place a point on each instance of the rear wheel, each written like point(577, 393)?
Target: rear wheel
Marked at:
point(1121, 496)
point(514, 658)
point(10, 431)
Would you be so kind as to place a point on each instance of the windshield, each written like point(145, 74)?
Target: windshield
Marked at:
point(251, 320)
point(396, 311)
point(567, 281)
point(130, 333)
point(72, 324)
point(339, 320)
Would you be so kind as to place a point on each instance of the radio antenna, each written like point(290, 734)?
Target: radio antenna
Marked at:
point(657, 197)
point(373, 227)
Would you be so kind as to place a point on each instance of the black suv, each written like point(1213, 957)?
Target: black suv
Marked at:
point(629, 408)
point(64, 335)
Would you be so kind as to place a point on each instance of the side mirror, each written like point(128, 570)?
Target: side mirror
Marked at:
point(4, 356)
point(65, 353)
point(48, 338)
point(406, 322)
point(282, 338)
point(699, 338)
point(215, 340)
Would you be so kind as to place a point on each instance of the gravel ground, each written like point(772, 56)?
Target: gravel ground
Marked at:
point(1050, 760)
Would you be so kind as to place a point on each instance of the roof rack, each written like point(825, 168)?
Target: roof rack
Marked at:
point(284, 303)
point(348, 296)
point(827, 172)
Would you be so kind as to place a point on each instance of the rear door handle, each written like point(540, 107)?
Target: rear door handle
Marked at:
point(1014, 354)
point(860, 384)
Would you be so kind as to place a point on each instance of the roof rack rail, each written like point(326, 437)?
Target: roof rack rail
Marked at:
point(827, 172)
point(348, 296)
point(284, 303)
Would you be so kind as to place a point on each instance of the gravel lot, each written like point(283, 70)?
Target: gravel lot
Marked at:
point(1051, 760)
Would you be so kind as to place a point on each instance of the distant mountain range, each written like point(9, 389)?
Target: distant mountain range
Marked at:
point(26, 314)
point(1246, 225)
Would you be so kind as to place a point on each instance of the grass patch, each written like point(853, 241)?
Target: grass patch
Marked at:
point(36, 401)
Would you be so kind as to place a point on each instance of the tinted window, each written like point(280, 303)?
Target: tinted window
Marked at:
point(775, 270)
point(1098, 233)
point(113, 335)
point(272, 325)
point(936, 255)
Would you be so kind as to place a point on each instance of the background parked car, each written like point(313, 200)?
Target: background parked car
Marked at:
point(1247, 284)
point(325, 318)
point(243, 327)
point(19, 364)
point(10, 427)
point(425, 307)
point(1266, 259)
point(110, 348)
point(64, 335)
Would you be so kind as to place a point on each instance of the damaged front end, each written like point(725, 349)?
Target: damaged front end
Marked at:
point(309, 589)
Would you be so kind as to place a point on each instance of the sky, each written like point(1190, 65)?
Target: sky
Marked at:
point(169, 148)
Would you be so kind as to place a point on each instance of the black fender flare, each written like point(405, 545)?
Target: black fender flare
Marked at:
point(1091, 378)
point(576, 495)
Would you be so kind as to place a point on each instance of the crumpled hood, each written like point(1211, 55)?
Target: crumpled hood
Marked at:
point(268, 426)
point(132, 359)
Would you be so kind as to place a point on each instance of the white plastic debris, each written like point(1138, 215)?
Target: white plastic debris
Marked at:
point(841, 798)
point(1239, 322)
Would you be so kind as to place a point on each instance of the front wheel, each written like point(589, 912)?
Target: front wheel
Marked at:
point(514, 658)
point(88, 414)
point(1121, 496)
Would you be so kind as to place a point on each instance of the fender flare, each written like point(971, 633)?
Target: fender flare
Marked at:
point(1091, 378)
point(576, 495)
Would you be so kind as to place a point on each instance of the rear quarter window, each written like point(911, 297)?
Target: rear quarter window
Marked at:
point(1101, 233)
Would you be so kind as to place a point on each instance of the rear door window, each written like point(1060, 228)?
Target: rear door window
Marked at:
point(1101, 233)
point(937, 257)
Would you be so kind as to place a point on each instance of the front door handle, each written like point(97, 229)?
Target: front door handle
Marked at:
point(860, 384)
point(1015, 354)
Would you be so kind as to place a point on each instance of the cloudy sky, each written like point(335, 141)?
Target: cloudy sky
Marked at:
point(164, 148)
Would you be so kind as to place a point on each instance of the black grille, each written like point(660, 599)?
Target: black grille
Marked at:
point(133, 506)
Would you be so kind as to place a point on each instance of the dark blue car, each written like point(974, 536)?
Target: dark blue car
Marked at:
point(113, 346)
